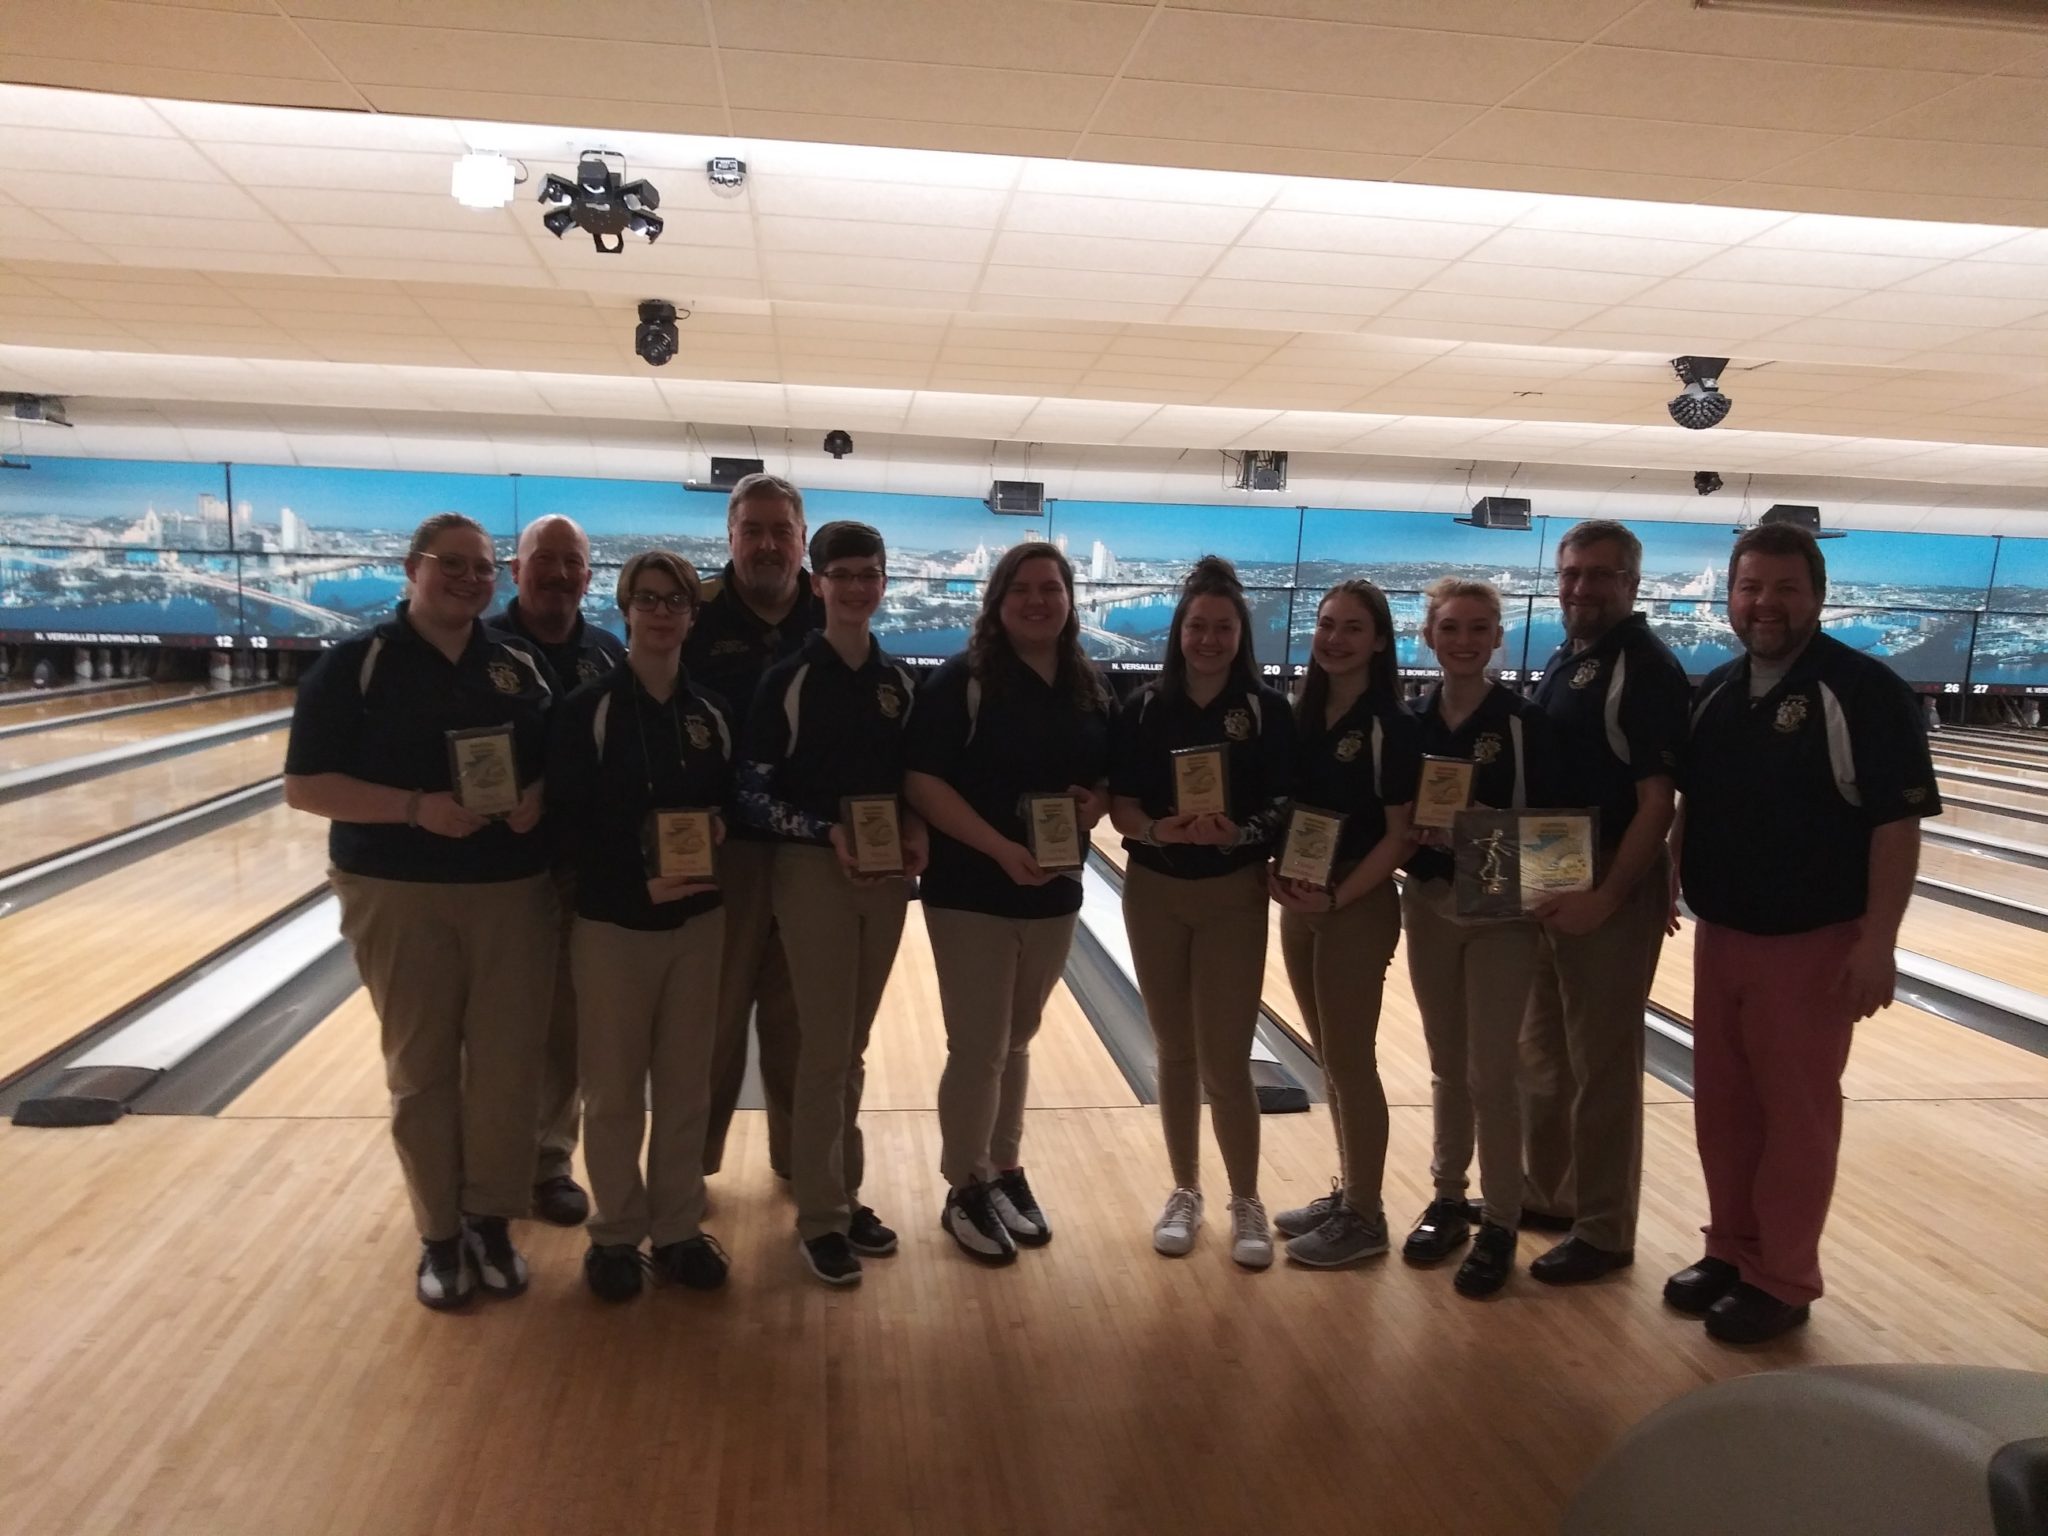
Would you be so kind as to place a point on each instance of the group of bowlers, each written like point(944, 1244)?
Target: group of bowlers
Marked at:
point(532, 968)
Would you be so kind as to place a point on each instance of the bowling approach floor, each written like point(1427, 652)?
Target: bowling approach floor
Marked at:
point(206, 1323)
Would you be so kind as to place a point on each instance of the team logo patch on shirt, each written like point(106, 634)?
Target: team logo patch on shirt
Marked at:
point(729, 648)
point(700, 733)
point(1349, 745)
point(1587, 674)
point(1791, 714)
point(1237, 725)
point(1916, 795)
point(503, 676)
point(586, 669)
point(1485, 747)
point(890, 700)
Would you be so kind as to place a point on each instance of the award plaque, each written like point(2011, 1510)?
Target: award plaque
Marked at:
point(1310, 851)
point(1510, 862)
point(1052, 824)
point(483, 770)
point(874, 836)
point(681, 845)
point(1445, 789)
point(1201, 782)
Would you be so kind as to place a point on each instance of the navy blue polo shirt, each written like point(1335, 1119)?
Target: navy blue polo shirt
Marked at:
point(1618, 708)
point(379, 706)
point(616, 754)
point(1357, 767)
point(1782, 791)
point(996, 740)
point(1256, 726)
point(730, 646)
point(1513, 751)
point(590, 651)
point(820, 731)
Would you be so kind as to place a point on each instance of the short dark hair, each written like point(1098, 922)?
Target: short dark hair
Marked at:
point(1602, 530)
point(844, 541)
point(1781, 539)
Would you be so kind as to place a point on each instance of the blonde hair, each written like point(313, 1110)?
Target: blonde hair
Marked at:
point(1444, 588)
point(670, 564)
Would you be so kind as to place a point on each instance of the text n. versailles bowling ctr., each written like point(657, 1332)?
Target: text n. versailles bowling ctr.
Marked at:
point(1072, 766)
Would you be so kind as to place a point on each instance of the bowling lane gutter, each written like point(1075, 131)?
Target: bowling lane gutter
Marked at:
point(40, 879)
point(93, 765)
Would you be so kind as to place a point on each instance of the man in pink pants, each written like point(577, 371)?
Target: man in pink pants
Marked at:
point(1805, 775)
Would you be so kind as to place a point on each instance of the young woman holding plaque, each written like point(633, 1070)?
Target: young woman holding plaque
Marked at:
point(639, 764)
point(1471, 976)
point(1009, 764)
point(445, 897)
point(1200, 764)
point(1358, 758)
point(822, 774)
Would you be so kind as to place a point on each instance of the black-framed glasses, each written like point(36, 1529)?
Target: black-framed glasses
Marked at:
point(455, 567)
point(646, 602)
point(867, 578)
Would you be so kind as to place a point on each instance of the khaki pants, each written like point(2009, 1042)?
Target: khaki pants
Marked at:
point(753, 985)
point(848, 934)
point(460, 976)
point(645, 1032)
point(1337, 964)
point(1200, 951)
point(1582, 1067)
point(995, 974)
point(560, 1108)
point(1471, 983)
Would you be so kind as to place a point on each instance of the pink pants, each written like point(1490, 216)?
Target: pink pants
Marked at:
point(1770, 1040)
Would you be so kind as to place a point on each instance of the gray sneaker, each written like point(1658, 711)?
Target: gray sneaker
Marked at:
point(1345, 1237)
point(1304, 1219)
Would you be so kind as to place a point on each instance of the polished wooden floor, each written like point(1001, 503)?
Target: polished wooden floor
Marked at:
point(22, 705)
point(206, 1324)
point(43, 747)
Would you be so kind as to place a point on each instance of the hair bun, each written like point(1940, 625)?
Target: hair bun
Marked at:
point(1212, 576)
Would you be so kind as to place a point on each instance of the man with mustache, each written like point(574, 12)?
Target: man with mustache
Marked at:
point(552, 572)
point(754, 613)
point(1805, 779)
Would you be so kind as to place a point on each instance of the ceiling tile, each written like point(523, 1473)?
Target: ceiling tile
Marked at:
point(1269, 264)
point(180, 37)
point(1545, 248)
point(1247, 116)
point(1288, 230)
point(646, 21)
point(376, 53)
point(1514, 137)
point(1053, 35)
point(1098, 254)
point(1009, 98)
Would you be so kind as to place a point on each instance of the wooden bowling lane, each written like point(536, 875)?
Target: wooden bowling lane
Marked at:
point(1992, 824)
point(45, 747)
point(39, 826)
point(209, 1327)
point(1985, 873)
point(72, 960)
point(58, 706)
point(1899, 1053)
point(337, 1069)
point(2016, 797)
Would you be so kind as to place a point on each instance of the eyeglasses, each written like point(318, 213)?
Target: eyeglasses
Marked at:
point(455, 567)
point(869, 578)
point(646, 602)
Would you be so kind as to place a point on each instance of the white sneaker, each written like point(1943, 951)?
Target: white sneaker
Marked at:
point(1251, 1239)
point(1174, 1233)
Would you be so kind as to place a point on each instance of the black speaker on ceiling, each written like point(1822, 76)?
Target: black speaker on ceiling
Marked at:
point(1508, 512)
point(1799, 517)
point(726, 473)
point(1016, 498)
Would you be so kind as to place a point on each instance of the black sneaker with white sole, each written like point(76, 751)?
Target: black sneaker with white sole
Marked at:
point(500, 1268)
point(1017, 1209)
point(866, 1235)
point(445, 1278)
point(696, 1263)
point(613, 1270)
point(970, 1219)
point(830, 1259)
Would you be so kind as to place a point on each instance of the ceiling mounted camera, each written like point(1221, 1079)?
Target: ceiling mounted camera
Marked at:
point(1705, 482)
point(838, 443)
point(656, 338)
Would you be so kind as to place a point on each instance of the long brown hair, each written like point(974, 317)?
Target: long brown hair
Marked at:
point(1382, 671)
point(1213, 576)
point(990, 641)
